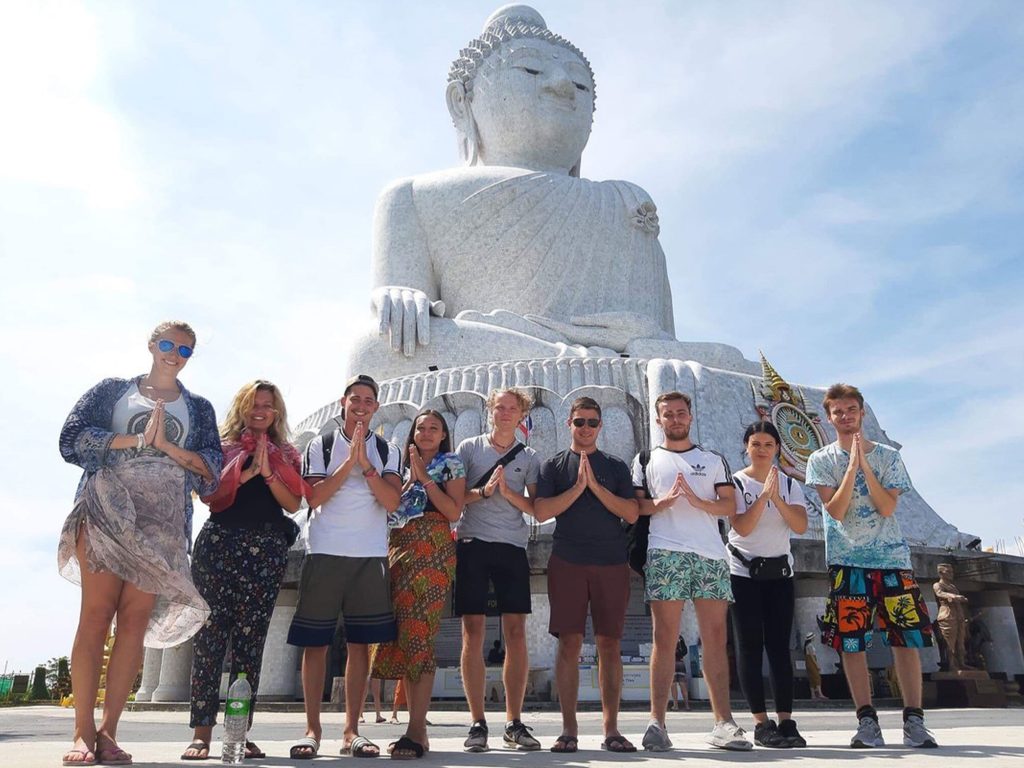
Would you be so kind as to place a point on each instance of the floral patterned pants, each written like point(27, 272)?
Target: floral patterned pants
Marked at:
point(238, 572)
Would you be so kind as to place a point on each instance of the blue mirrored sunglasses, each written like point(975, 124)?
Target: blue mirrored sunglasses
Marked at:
point(166, 345)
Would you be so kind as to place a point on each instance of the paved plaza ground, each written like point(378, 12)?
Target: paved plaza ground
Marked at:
point(37, 736)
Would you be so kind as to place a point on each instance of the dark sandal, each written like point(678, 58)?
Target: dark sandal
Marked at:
point(565, 744)
point(197, 744)
point(252, 752)
point(618, 744)
point(400, 749)
point(305, 748)
point(361, 747)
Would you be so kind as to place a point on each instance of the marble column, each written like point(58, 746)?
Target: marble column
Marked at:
point(175, 673)
point(1004, 653)
point(150, 674)
point(280, 660)
point(543, 647)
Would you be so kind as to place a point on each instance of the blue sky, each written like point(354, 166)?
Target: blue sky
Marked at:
point(838, 184)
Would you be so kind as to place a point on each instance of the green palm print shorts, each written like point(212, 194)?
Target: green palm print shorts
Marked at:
point(686, 576)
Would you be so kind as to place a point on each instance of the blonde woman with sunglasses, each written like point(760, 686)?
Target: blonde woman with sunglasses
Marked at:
point(145, 445)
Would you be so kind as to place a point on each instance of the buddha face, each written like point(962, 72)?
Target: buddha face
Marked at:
point(533, 106)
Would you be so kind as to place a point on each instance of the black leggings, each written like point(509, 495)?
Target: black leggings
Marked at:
point(762, 620)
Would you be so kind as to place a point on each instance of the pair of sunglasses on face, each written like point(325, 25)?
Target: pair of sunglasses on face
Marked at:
point(592, 423)
point(166, 345)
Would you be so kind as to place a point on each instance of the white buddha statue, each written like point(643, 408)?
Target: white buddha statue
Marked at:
point(514, 256)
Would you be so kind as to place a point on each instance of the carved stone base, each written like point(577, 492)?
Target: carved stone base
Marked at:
point(968, 689)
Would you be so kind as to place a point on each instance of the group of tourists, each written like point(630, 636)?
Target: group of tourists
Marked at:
point(380, 553)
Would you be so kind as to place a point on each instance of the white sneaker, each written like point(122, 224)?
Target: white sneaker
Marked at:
point(727, 735)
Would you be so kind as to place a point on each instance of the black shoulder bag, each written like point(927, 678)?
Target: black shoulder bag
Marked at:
point(764, 568)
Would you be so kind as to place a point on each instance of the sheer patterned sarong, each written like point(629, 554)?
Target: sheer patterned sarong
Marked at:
point(134, 517)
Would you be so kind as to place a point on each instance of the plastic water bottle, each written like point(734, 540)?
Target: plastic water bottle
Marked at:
point(236, 721)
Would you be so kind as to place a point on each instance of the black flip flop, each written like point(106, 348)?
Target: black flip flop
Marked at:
point(618, 744)
point(196, 744)
point(568, 744)
point(406, 744)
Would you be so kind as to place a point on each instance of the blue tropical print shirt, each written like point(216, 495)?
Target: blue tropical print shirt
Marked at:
point(864, 538)
point(86, 437)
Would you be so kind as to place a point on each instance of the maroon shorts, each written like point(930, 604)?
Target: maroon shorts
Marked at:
point(571, 588)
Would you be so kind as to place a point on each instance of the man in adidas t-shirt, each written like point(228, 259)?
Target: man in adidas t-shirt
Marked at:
point(356, 480)
point(686, 489)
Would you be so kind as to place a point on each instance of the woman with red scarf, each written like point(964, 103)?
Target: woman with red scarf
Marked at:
point(241, 552)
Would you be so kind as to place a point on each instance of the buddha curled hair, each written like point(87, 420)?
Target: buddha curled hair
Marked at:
point(509, 22)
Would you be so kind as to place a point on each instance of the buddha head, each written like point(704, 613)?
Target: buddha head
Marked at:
point(521, 96)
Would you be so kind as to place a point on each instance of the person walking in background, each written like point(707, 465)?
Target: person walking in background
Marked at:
point(869, 565)
point(356, 482)
point(145, 445)
point(422, 559)
point(589, 493)
point(241, 553)
point(813, 670)
point(500, 472)
point(770, 507)
point(680, 681)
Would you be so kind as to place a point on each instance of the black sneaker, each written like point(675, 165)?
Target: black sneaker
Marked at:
point(766, 734)
point(788, 731)
point(517, 736)
point(477, 739)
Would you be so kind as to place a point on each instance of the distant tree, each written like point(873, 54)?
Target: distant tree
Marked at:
point(60, 682)
point(39, 691)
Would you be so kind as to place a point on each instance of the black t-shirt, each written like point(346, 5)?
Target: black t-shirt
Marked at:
point(587, 533)
point(254, 507)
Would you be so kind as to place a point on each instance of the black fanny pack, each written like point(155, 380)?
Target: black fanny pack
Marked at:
point(764, 568)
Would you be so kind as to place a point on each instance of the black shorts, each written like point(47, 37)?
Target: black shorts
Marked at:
point(478, 564)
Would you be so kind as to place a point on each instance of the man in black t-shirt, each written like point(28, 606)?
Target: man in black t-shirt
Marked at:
point(590, 493)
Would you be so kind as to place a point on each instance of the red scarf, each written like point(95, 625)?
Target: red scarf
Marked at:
point(284, 461)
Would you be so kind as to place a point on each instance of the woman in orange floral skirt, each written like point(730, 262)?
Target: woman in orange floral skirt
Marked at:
point(422, 560)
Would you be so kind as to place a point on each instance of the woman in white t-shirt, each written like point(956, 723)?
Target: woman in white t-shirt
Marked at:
point(769, 508)
point(145, 445)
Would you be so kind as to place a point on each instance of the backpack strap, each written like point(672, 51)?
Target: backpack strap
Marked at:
point(328, 443)
point(645, 458)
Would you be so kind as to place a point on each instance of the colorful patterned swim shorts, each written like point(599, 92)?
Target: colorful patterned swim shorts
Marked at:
point(686, 576)
point(861, 600)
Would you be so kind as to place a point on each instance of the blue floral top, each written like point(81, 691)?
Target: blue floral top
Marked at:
point(442, 468)
point(86, 437)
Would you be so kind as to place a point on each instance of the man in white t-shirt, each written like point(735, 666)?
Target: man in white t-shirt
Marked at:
point(356, 480)
point(686, 489)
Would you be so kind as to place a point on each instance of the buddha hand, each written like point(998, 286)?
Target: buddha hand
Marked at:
point(404, 313)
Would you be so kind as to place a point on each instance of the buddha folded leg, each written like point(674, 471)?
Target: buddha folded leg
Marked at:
point(454, 343)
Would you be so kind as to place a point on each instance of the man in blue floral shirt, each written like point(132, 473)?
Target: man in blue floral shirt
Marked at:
point(870, 572)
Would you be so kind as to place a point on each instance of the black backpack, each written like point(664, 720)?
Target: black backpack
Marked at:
point(383, 446)
point(639, 532)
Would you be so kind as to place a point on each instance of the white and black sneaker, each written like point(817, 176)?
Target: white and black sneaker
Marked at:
point(477, 739)
point(517, 736)
point(915, 734)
